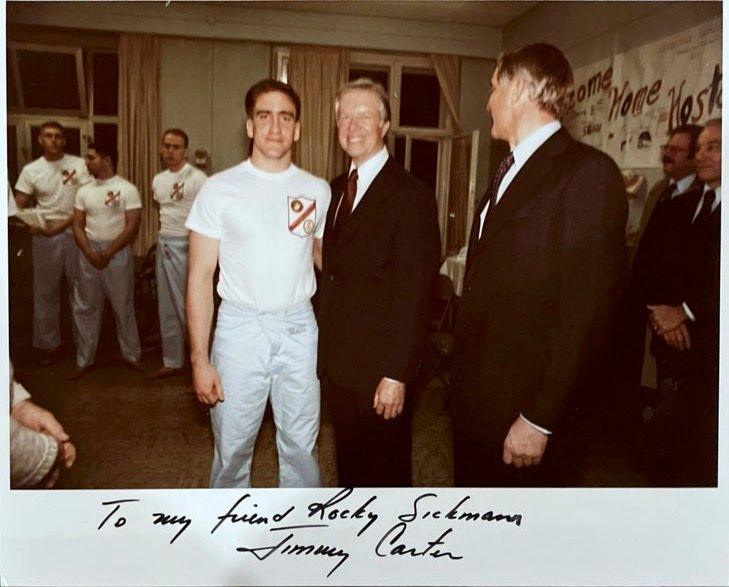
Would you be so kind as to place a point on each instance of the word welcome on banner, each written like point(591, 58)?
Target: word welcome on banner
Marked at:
point(626, 105)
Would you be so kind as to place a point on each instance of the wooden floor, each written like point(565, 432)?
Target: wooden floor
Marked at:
point(135, 433)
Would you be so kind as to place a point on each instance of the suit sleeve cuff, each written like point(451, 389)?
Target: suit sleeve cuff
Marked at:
point(533, 425)
point(689, 313)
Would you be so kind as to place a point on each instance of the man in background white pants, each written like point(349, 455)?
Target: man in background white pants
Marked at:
point(105, 221)
point(52, 180)
point(174, 190)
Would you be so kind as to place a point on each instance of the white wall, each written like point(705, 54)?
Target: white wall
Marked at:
point(475, 78)
point(203, 85)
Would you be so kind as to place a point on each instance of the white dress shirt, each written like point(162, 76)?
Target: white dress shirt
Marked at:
point(522, 152)
point(682, 184)
point(366, 174)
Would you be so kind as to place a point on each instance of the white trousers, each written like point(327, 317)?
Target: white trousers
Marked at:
point(260, 355)
point(171, 277)
point(53, 257)
point(115, 282)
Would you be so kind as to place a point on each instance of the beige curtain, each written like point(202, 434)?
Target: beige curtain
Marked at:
point(316, 73)
point(139, 125)
point(448, 71)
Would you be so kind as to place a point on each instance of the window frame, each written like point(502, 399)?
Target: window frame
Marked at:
point(14, 46)
point(84, 120)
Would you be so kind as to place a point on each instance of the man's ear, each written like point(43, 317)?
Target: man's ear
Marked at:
point(518, 89)
point(297, 130)
point(385, 128)
point(249, 128)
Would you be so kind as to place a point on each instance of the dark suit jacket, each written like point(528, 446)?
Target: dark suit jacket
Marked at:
point(694, 251)
point(377, 281)
point(539, 289)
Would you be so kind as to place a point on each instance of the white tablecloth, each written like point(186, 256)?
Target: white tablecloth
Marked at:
point(455, 268)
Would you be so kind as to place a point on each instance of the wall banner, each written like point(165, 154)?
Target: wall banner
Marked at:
point(626, 105)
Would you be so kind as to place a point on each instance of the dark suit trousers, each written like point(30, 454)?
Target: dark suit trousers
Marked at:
point(371, 451)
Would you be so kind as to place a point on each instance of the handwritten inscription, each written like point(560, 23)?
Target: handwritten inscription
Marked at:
point(422, 530)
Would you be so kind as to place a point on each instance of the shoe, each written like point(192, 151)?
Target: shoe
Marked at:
point(80, 372)
point(135, 366)
point(163, 372)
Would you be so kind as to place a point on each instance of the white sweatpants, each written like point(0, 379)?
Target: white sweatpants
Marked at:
point(93, 285)
point(260, 355)
point(171, 276)
point(53, 257)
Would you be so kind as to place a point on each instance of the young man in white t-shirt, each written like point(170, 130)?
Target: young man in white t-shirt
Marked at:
point(52, 180)
point(105, 221)
point(174, 190)
point(263, 220)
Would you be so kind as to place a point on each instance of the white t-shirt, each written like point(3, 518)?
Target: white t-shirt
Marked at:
point(105, 202)
point(175, 191)
point(54, 183)
point(265, 223)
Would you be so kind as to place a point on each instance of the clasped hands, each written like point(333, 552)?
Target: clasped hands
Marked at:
point(669, 322)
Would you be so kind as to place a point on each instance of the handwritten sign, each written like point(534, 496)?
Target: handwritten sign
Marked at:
point(626, 105)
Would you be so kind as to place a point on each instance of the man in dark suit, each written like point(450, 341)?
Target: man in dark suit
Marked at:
point(652, 264)
point(380, 256)
point(686, 317)
point(544, 268)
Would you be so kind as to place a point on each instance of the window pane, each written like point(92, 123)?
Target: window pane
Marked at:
point(73, 141)
point(106, 83)
point(399, 154)
point(377, 75)
point(105, 133)
point(419, 100)
point(49, 80)
point(424, 161)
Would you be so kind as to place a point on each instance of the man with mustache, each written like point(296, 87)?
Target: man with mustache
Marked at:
point(651, 264)
point(684, 314)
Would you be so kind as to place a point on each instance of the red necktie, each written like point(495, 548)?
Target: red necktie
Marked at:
point(345, 207)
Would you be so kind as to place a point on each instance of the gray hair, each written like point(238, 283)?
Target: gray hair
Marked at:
point(368, 85)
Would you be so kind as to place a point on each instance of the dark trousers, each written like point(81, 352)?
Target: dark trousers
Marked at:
point(481, 465)
point(371, 451)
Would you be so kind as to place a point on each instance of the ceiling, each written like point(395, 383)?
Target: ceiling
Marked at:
point(474, 12)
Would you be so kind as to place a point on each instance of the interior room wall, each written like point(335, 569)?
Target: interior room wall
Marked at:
point(203, 85)
point(475, 80)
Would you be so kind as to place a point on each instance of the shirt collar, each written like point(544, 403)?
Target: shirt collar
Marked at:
point(530, 144)
point(367, 172)
point(684, 183)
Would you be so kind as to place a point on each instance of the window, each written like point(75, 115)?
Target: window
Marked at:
point(421, 138)
point(75, 86)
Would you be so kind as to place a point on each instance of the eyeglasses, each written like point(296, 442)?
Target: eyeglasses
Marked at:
point(673, 149)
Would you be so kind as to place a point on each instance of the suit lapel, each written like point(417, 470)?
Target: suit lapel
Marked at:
point(378, 192)
point(523, 188)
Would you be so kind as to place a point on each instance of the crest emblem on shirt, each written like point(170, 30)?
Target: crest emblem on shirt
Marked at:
point(113, 199)
point(177, 191)
point(302, 215)
point(69, 177)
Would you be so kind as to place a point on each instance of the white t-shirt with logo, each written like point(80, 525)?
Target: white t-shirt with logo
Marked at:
point(54, 183)
point(265, 223)
point(175, 191)
point(105, 202)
